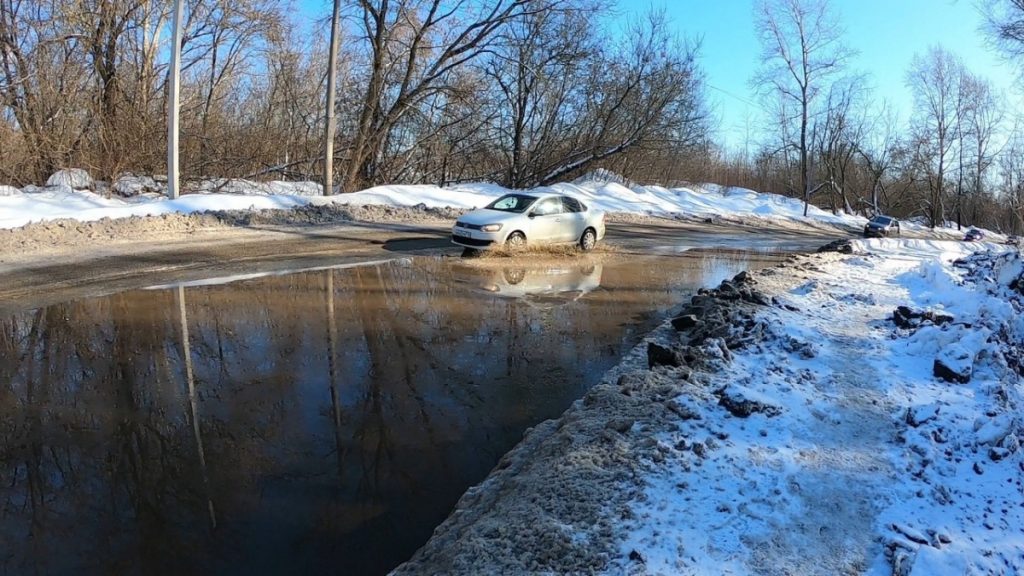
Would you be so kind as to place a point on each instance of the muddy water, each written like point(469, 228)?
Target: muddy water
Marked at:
point(323, 420)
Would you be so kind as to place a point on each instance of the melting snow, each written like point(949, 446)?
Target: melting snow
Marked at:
point(35, 204)
point(874, 465)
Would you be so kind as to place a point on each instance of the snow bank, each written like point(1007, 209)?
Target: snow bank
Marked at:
point(75, 178)
point(249, 187)
point(701, 201)
point(129, 185)
point(922, 248)
point(63, 202)
point(873, 463)
point(609, 195)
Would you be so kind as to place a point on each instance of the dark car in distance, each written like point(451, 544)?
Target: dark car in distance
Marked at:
point(881, 226)
point(974, 235)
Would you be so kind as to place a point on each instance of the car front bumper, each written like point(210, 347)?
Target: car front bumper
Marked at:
point(476, 238)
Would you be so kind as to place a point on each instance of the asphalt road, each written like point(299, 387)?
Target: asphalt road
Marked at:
point(34, 280)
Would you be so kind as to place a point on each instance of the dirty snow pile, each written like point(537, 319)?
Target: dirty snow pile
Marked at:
point(74, 194)
point(863, 415)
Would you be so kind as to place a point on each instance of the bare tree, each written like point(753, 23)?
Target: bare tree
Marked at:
point(222, 40)
point(646, 96)
point(414, 46)
point(936, 80)
point(983, 117)
point(838, 132)
point(1004, 26)
point(801, 51)
point(43, 72)
point(877, 152)
point(1011, 179)
point(538, 68)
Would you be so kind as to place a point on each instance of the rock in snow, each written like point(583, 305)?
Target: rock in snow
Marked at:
point(906, 318)
point(918, 415)
point(954, 364)
point(658, 355)
point(742, 403)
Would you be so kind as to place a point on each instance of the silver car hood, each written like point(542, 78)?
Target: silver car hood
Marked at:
point(486, 216)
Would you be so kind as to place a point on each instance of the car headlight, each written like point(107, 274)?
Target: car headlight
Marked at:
point(491, 227)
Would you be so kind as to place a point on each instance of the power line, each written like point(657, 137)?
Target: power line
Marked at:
point(735, 97)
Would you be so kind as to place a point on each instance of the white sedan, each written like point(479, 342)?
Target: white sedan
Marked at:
point(514, 220)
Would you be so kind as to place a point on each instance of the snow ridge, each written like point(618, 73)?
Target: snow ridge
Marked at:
point(873, 464)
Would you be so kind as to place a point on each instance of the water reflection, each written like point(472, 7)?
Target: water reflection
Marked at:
point(552, 284)
point(321, 420)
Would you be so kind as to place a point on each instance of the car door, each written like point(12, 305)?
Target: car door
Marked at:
point(574, 217)
point(546, 223)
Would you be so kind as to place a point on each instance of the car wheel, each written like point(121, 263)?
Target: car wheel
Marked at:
point(514, 275)
point(588, 240)
point(516, 240)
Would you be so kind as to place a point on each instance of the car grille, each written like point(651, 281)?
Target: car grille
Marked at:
point(467, 241)
point(469, 226)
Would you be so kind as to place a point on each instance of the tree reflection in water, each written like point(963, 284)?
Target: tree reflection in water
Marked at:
point(149, 433)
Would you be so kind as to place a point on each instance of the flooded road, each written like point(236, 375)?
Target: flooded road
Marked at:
point(320, 420)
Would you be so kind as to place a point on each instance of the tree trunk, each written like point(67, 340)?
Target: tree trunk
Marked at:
point(805, 168)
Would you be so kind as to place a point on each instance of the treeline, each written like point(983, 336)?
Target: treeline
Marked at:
point(523, 92)
point(520, 92)
point(958, 158)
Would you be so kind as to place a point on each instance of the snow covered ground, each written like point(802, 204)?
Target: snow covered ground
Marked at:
point(54, 203)
point(35, 204)
point(863, 461)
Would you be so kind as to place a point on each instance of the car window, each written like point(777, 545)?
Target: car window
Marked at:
point(572, 204)
point(548, 206)
point(512, 203)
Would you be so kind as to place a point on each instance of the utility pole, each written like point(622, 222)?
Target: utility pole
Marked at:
point(332, 81)
point(174, 96)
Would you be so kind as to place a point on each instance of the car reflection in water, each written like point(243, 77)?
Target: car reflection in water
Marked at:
point(538, 285)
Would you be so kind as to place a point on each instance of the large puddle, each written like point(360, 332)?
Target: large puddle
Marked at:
point(321, 420)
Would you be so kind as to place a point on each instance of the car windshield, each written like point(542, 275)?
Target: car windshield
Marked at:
point(881, 220)
point(517, 203)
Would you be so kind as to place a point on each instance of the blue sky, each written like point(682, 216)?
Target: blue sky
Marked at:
point(886, 33)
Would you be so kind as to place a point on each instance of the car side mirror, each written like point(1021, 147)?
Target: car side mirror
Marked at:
point(531, 215)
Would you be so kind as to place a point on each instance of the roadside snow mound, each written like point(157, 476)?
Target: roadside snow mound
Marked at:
point(603, 175)
point(921, 248)
point(962, 512)
point(703, 202)
point(61, 202)
point(9, 191)
point(129, 185)
point(75, 178)
point(826, 441)
point(240, 186)
point(468, 197)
